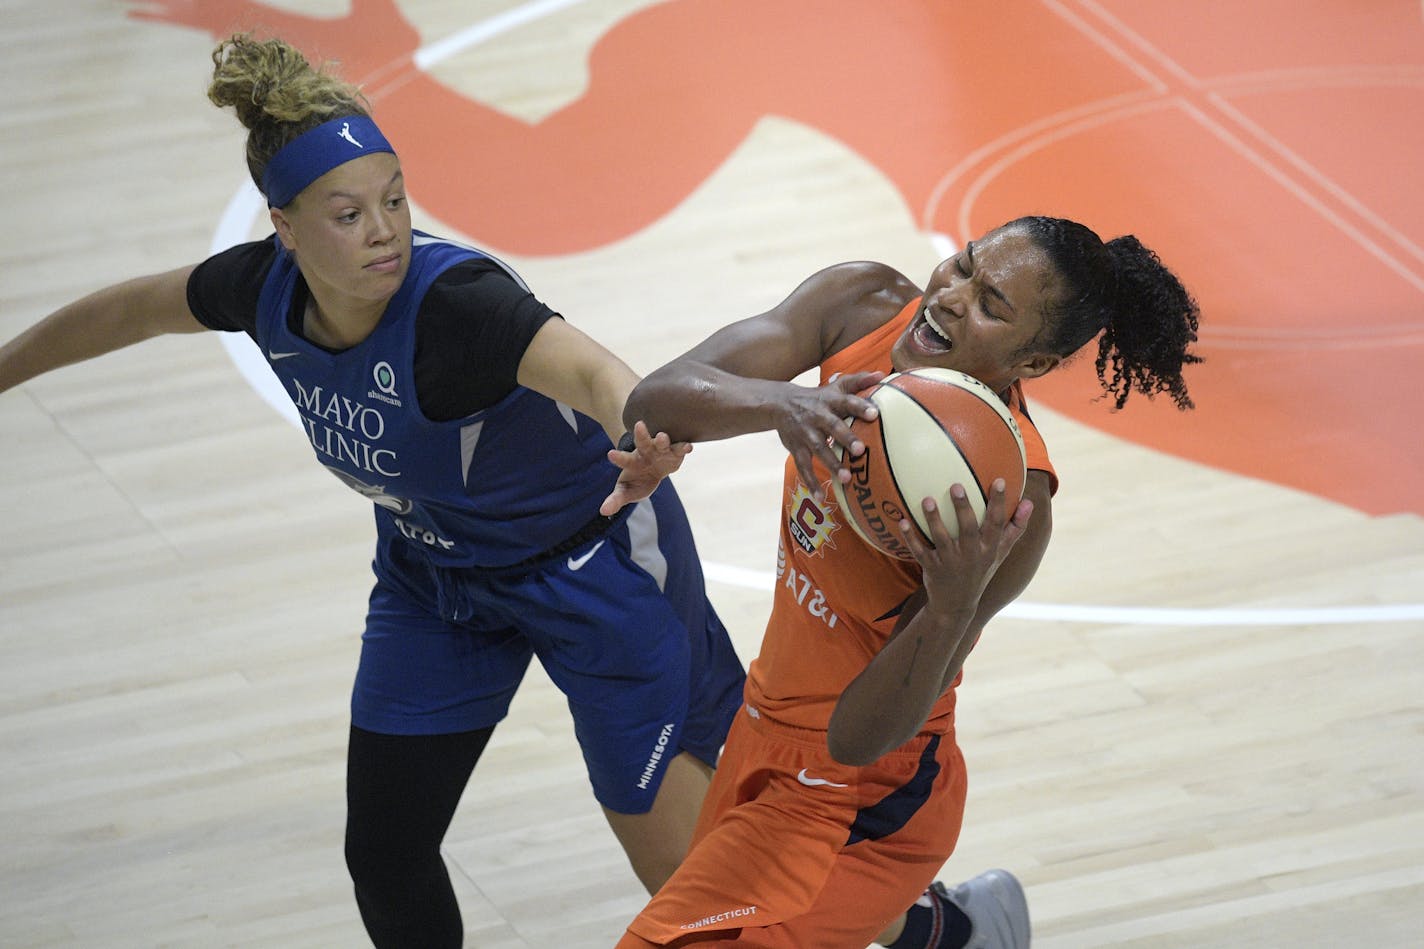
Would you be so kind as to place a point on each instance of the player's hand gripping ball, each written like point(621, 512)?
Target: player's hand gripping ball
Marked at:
point(936, 428)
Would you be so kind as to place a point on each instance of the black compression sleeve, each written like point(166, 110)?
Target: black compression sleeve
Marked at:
point(474, 325)
point(223, 290)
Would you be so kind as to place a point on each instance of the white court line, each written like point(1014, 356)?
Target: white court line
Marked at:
point(428, 56)
point(1136, 615)
point(247, 205)
point(1232, 140)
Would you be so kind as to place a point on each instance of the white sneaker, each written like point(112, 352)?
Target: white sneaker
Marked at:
point(997, 910)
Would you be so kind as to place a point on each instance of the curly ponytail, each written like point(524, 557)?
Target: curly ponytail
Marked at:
point(1149, 329)
point(277, 94)
point(1121, 290)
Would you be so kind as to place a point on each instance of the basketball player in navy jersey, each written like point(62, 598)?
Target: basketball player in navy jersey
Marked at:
point(428, 378)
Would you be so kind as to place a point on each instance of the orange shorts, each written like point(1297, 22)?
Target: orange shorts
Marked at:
point(794, 850)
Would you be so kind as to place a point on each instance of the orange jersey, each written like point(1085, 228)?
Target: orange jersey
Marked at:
point(837, 599)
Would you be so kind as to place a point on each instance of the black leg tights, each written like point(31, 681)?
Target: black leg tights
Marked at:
point(401, 792)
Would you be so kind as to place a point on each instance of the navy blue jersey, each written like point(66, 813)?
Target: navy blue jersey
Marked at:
point(492, 488)
point(469, 470)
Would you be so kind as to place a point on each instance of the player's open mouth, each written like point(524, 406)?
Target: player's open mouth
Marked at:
point(931, 337)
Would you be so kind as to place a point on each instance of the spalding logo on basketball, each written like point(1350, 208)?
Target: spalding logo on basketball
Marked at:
point(936, 428)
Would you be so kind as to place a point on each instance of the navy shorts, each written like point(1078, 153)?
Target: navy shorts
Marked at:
point(620, 623)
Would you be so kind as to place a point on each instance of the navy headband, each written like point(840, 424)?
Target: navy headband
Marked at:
point(313, 153)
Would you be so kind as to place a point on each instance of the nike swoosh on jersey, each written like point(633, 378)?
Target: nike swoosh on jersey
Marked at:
point(275, 356)
point(576, 563)
point(816, 782)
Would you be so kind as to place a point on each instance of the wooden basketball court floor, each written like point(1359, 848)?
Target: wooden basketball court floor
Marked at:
point(1202, 725)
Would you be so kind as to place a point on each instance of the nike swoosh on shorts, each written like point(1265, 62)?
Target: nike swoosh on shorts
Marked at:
point(816, 782)
point(576, 563)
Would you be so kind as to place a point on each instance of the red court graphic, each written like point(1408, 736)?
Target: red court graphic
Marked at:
point(1268, 149)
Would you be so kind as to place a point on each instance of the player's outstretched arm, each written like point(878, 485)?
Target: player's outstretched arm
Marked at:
point(891, 699)
point(106, 320)
point(738, 380)
point(568, 366)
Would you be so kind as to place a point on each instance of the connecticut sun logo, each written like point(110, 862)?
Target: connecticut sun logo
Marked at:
point(811, 524)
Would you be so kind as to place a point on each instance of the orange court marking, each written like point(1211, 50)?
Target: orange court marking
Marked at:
point(1268, 149)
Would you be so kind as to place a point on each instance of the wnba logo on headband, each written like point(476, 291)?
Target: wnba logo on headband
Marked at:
point(313, 153)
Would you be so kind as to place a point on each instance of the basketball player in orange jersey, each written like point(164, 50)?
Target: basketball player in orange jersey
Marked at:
point(841, 790)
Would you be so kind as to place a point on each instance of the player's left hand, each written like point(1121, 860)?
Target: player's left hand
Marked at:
point(652, 459)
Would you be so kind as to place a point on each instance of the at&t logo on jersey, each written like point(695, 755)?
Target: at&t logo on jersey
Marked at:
point(811, 524)
point(798, 587)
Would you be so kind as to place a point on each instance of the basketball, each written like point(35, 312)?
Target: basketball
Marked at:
point(936, 428)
